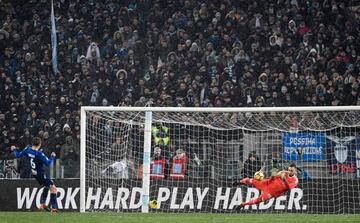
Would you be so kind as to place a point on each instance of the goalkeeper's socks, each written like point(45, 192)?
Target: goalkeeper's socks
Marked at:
point(53, 201)
point(44, 195)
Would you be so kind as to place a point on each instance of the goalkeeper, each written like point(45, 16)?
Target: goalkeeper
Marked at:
point(272, 187)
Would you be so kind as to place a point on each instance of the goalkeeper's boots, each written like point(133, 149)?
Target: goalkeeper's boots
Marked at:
point(245, 181)
point(53, 210)
point(240, 207)
point(43, 207)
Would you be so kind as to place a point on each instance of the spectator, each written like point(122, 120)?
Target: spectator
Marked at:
point(25, 139)
point(251, 165)
point(69, 156)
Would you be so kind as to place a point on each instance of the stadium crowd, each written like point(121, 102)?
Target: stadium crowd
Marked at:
point(210, 53)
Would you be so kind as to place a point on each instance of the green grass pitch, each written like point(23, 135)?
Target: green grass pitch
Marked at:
point(65, 217)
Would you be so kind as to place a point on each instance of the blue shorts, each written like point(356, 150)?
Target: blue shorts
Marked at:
point(43, 180)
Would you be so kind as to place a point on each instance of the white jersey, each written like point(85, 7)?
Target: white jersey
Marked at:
point(118, 169)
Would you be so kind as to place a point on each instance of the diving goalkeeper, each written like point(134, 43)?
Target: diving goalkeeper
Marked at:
point(272, 187)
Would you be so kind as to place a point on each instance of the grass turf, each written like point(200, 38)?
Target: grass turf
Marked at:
point(65, 217)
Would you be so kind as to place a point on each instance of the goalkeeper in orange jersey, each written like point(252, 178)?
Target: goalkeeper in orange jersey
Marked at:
point(272, 187)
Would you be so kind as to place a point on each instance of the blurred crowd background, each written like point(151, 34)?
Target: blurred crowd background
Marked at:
point(206, 53)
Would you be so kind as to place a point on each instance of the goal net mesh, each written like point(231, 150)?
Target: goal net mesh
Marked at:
point(196, 156)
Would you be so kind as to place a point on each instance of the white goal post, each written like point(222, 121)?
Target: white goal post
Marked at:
point(117, 146)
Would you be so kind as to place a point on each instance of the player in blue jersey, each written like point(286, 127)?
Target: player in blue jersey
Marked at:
point(37, 161)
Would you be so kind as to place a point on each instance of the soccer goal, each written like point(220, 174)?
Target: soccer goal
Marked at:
point(155, 159)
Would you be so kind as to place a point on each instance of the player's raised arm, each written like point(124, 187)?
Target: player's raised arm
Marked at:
point(16, 153)
point(48, 161)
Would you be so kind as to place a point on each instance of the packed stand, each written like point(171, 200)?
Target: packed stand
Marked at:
point(204, 53)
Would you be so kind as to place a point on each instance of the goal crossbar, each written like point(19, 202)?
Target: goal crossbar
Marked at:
point(224, 109)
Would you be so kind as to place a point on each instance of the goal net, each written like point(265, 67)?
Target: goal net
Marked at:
point(186, 159)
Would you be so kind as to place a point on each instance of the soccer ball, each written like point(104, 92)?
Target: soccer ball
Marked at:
point(259, 175)
point(153, 204)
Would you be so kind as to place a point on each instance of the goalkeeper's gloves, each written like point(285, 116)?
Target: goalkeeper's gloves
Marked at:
point(284, 174)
